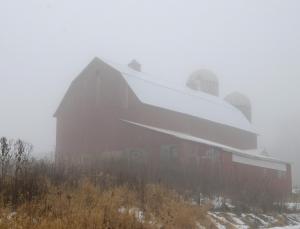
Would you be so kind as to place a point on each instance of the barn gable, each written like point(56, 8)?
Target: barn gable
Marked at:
point(92, 70)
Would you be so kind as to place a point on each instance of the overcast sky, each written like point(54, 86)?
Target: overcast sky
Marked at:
point(253, 46)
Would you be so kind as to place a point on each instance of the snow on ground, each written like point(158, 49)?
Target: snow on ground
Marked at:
point(217, 224)
point(238, 222)
point(287, 227)
point(226, 217)
point(138, 214)
point(222, 215)
point(251, 220)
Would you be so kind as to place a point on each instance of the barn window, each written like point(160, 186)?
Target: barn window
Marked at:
point(168, 152)
point(280, 174)
point(136, 154)
point(212, 153)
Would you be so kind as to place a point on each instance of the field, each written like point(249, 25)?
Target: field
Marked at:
point(41, 194)
point(87, 205)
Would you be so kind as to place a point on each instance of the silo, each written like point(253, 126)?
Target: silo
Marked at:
point(241, 102)
point(204, 80)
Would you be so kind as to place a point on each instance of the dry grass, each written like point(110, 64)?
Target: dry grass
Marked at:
point(102, 194)
point(37, 194)
point(88, 206)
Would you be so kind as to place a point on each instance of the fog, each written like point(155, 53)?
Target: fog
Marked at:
point(252, 46)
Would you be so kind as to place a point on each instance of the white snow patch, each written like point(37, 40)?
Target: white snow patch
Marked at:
point(256, 218)
point(199, 226)
point(217, 202)
point(287, 227)
point(11, 215)
point(217, 224)
point(138, 214)
point(238, 222)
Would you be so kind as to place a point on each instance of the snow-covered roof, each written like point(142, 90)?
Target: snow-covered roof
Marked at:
point(182, 99)
point(251, 157)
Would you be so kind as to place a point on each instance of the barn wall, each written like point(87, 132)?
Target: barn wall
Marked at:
point(235, 178)
point(261, 180)
point(88, 119)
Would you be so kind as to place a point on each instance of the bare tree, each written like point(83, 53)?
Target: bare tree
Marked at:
point(5, 157)
point(22, 151)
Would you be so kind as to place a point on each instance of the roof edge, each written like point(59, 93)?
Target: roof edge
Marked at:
point(188, 137)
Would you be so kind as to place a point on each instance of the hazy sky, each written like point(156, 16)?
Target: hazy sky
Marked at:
point(253, 46)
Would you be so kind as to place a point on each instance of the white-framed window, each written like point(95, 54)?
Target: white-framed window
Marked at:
point(280, 174)
point(212, 153)
point(135, 154)
point(168, 152)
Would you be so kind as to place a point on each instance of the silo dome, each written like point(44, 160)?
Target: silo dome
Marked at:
point(241, 102)
point(204, 80)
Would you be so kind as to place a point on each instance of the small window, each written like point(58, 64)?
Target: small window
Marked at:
point(280, 174)
point(136, 154)
point(168, 152)
point(212, 154)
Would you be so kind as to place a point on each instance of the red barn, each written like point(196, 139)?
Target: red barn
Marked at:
point(113, 108)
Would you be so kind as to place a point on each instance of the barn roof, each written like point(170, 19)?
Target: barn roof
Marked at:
point(182, 99)
point(250, 157)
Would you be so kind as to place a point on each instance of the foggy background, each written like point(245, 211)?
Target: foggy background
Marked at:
point(252, 46)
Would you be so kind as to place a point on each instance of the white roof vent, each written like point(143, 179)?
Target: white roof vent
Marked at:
point(204, 80)
point(241, 102)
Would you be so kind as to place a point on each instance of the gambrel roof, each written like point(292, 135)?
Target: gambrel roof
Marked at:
point(179, 99)
point(182, 99)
